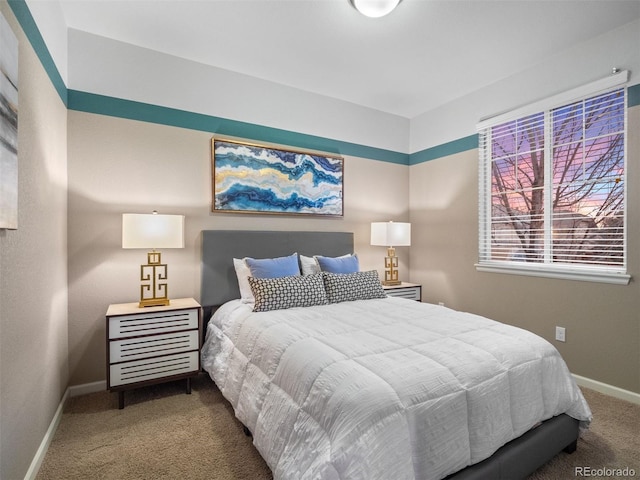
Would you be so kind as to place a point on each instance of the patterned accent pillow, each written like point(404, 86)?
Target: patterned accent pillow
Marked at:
point(346, 287)
point(287, 292)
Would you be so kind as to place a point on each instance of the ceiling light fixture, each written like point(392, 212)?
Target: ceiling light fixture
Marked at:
point(375, 8)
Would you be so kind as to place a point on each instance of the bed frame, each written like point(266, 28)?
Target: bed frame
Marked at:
point(515, 460)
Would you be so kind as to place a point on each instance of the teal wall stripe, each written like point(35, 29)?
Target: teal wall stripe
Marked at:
point(633, 96)
point(446, 149)
point(103, 105)
point(28, 24)
point(471, 142)
point(116, 107)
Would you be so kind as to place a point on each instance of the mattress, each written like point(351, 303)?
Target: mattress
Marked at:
point(383, 388)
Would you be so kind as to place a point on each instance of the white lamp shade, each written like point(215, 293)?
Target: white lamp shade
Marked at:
point(152, 231)
point(375, 8)
point(391, 234)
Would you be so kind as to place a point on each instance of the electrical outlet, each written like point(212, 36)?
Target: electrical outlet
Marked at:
point(560, 334)
point(441, 304)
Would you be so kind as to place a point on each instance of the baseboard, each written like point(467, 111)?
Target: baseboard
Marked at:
point(72, 391)
point(46, 441)
point(607, 389)
point(85, 388)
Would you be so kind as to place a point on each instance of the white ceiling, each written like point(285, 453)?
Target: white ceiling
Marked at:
point(424, 54)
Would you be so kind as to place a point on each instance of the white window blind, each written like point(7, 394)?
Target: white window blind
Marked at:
point(553, 190)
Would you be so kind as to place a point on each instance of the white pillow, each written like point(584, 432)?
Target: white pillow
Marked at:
point(309, 265)
point(243, 273)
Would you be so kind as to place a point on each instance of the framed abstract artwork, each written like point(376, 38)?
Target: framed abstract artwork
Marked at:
point(8, 127)
point(254, 178)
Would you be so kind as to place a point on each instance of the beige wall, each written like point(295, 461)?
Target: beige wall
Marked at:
point(118, 166)
point(602, 321)
point(121, 166)
point(33, 271)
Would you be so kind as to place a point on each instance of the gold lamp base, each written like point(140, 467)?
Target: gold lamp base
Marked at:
point(154, 302)
point(391, 276)
point(153, 290)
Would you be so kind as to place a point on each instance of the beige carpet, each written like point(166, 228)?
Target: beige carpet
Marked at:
point(162, 433)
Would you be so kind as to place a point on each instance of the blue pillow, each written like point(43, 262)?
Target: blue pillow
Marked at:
point(345, 264)
point(273, 267)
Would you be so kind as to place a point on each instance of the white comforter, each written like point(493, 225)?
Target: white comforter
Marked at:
point(383, 389)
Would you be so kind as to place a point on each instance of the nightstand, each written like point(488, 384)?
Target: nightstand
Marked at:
point(152, 344)
point(411, 291)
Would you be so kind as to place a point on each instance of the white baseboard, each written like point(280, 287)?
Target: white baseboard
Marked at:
point(607, 389)
point(72, 391)
point(77, 390)
point(46, 441)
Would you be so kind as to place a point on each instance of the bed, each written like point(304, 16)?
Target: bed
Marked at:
point(380, 387)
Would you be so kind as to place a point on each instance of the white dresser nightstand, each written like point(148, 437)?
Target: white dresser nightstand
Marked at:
point(152, 344)
point(411, 291)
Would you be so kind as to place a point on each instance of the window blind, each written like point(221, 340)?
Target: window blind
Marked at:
point(553, 188)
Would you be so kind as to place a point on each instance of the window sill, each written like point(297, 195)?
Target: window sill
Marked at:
point(562, 273)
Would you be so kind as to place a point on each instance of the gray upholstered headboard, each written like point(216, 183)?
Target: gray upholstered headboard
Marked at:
point(220, 247)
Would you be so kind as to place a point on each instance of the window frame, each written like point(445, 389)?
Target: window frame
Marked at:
point(567, 271)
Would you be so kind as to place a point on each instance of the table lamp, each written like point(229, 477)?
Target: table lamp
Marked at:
point(390, 235)
point(153, 231)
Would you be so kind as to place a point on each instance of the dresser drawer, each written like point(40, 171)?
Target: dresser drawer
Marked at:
point(152, 346)
point(152, 322)
point(412, 292)
point(152, 368)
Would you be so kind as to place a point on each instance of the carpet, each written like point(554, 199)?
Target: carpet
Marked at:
point(162, 433)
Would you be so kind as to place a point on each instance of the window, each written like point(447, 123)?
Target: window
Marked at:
point(552, 189)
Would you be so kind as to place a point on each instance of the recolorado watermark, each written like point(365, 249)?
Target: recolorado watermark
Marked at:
point(604, 472)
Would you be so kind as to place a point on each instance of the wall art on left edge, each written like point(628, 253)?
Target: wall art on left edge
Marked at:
point(254, 178)
point(8, 126)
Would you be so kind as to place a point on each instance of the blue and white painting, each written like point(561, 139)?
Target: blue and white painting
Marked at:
point(261, 179)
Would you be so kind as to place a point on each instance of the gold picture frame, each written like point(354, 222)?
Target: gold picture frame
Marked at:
point(259, 178)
